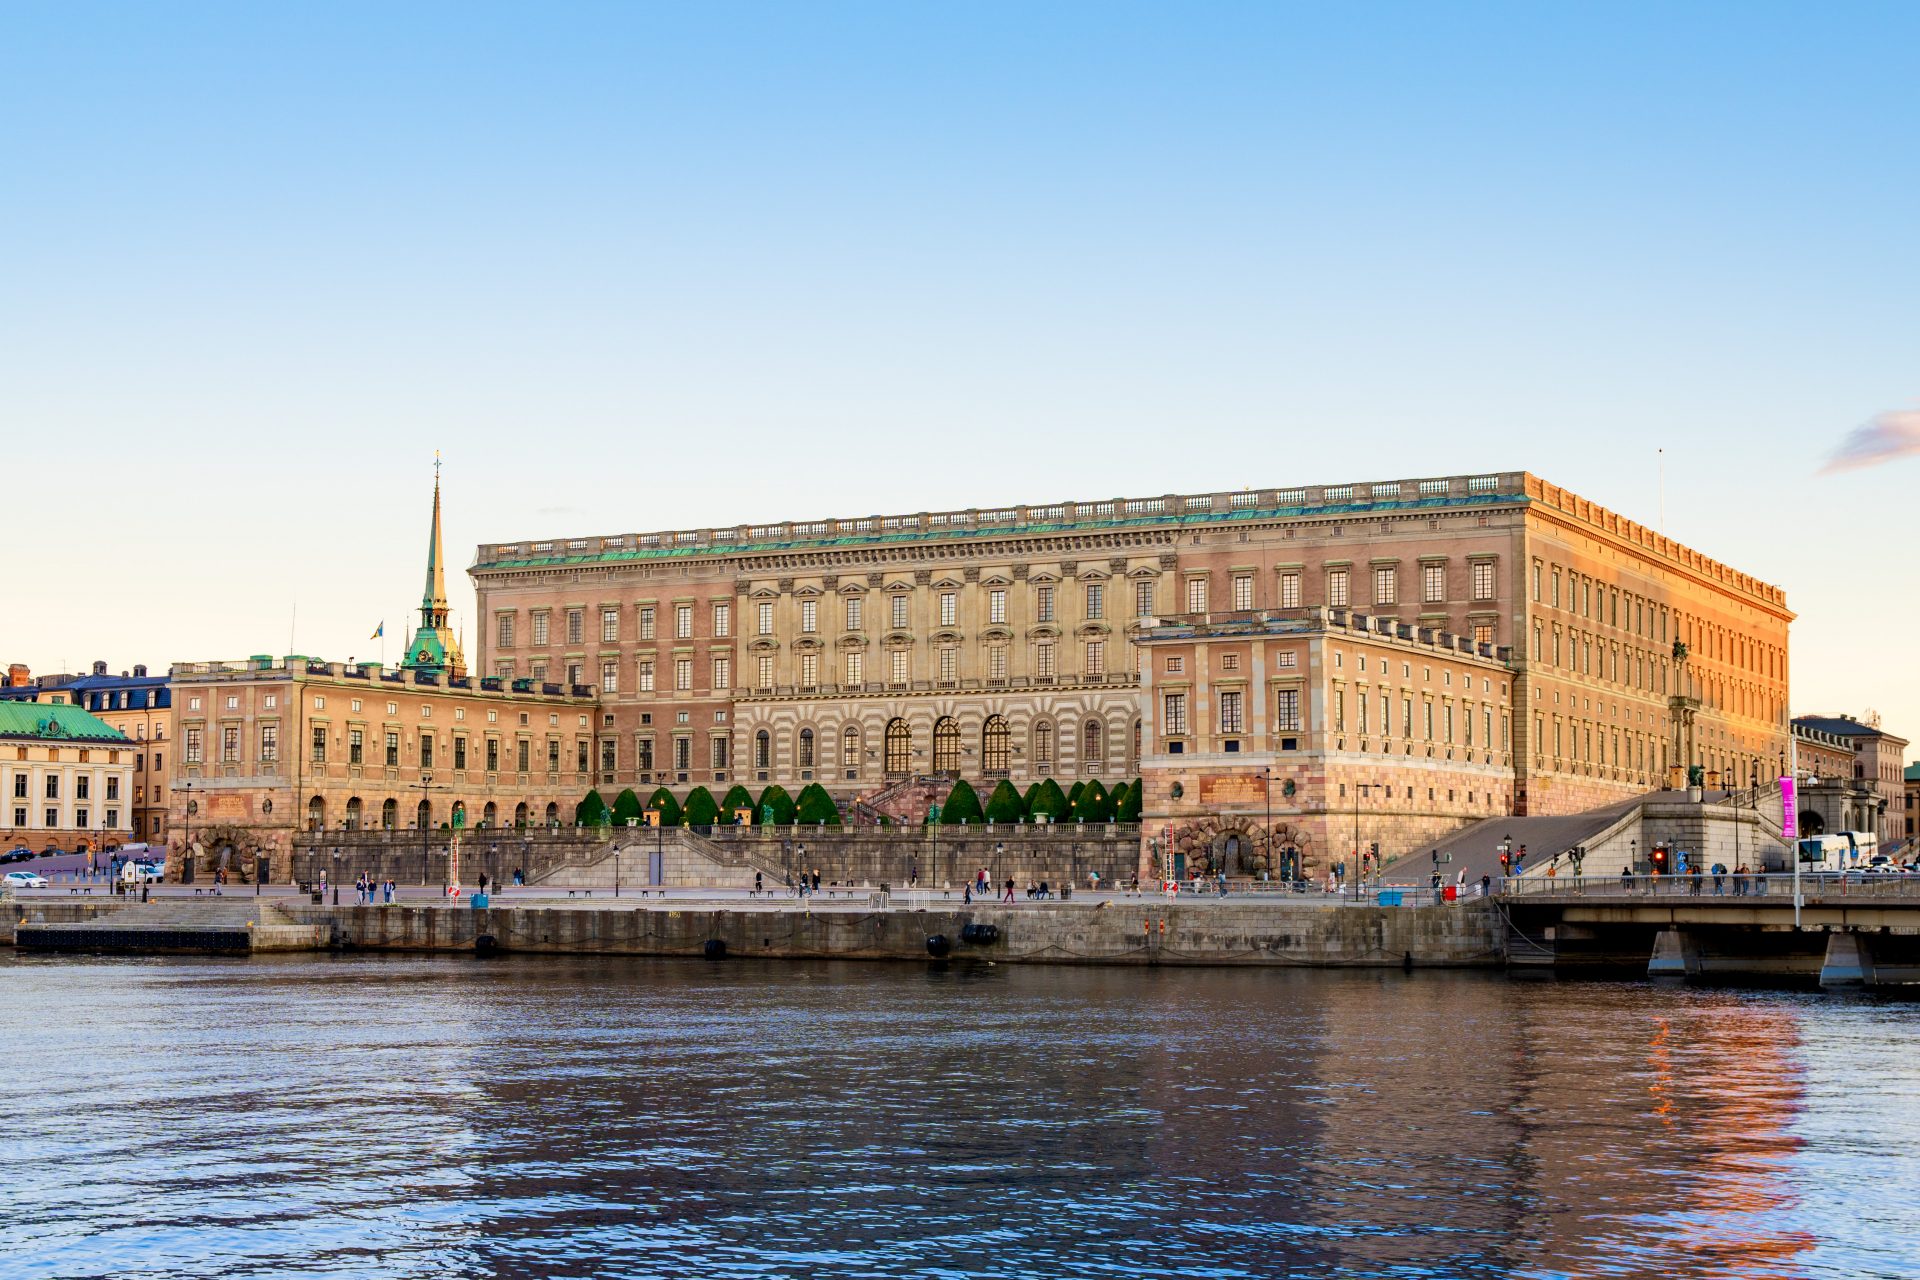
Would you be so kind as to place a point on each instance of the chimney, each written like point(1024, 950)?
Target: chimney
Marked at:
point(18, 676)
point(139, 670)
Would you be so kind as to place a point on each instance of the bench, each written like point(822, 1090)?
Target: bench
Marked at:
point(571, 892)
point(79, 889)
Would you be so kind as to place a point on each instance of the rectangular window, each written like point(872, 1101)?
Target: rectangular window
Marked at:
point(1243, 591)
point(1336, 588)
point(898, 658)
point(683, 753)
point(1386, 585)
point(1287, 711)
point(643, 675)
point(319, 744)
point(646, 622)
point(609, 625)
point(645, 748)
point(493, 756)
point(1433, 583)
point(1339, 710)
point(506, 631)
point(1096, 659)
point(553, 756)
point(610, 676)
point(1043, 603)
point(269, 743)
point(1426, 720)
point(609, 754)
point(722, 672)
point(899, 621)
point(949, 608)
point(83, 789)
point(764, 671)
point(763, 618)
point(809, 616)
point(229, 745)
point(997, 605)
point(809, 670)
point(393, 749)
point(1483, 633)
point(722, 620)
point(719, 753)
point(856, 669)
point(949, 662)
point(1176, 714)
point(853, 613)
point(540, 624)
point(1231, 718)
point(356, 746)
point(683, 673)
point(683, 622)
point(1483, 580)
point(1196, 595)
point(460, 754)
point(1096, 600)
point(1289, 591)
point(1043, 660)
point(997, 662)
point(53, 817)
point(576, 627)
point(426, 751)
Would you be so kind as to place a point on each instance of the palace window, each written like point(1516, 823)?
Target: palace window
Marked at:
point(946, 745)
point(1096, 659)
point(610, 676)
point(1093, 745)
point(1386, 585)
point(1433, 583)
point(996, 745)
point(1243, 591)
point(949, 662)
point(1043, 660)
point(997, 605)
point(763, 618)
point(1176, 713)
point(763, 671)
point(949, 606)
point(899, 610)
point(1043, 603)
point(853, 613)
point(1143, 598)
point(997, 662)
point(809, 616)
point(609, 625)
point(898, 661)
point(1043, 744)
point(722, 672)
point(269, 743)
point(1096, 600)
point(1289, 591)
point(722, 620)
point(1483, 580)
point(683, 673)
point(1196, 595)
point(506, 631)
point(856, 669)
point(646, 622)
point(643, 675)
point(319, 744)
point(1337, 588)
point(541, 621)
point(1232, 719)
point(576, 627)
point(899, 740)
point(809, 670)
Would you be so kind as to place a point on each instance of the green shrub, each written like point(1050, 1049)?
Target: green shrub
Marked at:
point(1128, 810)
point(626, 805)
point(962, 806)
point(1048, 801)
point(1073, 796)
point(1095, 805)
point(776, 798)
point(816, 806)
point(701, 811)
point(669, 807)
point(1004, 804)
point(737, 797)
point(592, 811)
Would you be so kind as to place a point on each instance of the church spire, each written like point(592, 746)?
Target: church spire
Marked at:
point(432, 650)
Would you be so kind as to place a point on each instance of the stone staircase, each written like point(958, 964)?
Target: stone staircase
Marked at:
point(903, 803)
point(688, 860)
point(223, 924)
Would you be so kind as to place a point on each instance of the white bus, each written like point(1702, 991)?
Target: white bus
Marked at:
point(1838, 851)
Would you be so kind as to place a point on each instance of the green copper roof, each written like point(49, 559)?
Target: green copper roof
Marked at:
point(952, 533)
point(54, 723)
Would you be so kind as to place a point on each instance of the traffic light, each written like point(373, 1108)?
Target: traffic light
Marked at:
point(1659, 857)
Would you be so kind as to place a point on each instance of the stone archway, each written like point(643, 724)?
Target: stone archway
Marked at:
point(1238, 846)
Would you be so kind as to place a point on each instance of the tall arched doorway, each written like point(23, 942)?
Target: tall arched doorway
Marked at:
point(899, 746)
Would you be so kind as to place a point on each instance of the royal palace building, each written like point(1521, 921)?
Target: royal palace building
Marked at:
point(1003, 642)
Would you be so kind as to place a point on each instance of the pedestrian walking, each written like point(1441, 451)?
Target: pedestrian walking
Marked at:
point(757, 885)
point(1009, 897)
point(1486, 885)
point(1720, 878)
point(966, 893)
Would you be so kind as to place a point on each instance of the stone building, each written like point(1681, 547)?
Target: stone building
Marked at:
point(861, 651)
point(66, 775)
point(1877, 769)
point(140, 706)
point(1282, 745)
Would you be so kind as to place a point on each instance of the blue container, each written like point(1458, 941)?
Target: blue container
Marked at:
point(1389, 897)
point(479, 902)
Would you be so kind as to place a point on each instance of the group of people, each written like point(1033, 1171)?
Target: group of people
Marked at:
point(367, 891)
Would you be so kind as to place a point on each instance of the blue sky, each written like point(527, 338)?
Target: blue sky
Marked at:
point(636, 267)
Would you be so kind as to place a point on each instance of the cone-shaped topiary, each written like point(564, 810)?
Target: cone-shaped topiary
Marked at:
point(1116, 798)
point(669, 807)
point(701, 811)
point(962, 806)
point(1094, 805)
point(737, 798)
point(1026, 801)
point(626, 805)
point(592, 811)
point(1004, 804)
point(1129, 810)
point(1049, 801)
point(776, 798)
point(1073, 796)
point(816, 806)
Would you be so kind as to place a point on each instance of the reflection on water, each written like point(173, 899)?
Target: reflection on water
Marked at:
point(373, 1116)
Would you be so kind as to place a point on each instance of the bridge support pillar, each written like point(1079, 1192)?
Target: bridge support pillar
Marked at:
point(1849, 962)
point(1674, 956)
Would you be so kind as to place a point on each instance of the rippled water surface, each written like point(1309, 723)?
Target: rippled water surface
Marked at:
point(424, 1117)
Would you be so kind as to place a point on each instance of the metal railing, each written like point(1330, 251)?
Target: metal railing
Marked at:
point(1814, 886)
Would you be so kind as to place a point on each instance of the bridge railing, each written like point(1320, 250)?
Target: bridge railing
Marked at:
point(1822, 886)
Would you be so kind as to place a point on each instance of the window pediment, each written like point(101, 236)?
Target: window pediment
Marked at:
point(1045, 630)
point(996, 633)
point(763, 593)
point(947, 635)
point(1043, 576)
point(996, 580)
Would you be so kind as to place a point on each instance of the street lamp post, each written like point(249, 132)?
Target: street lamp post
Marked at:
point(1266, 836)
point(425, 820)
point(1358, 789)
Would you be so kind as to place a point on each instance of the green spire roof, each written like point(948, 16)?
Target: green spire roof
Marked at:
point(432, 649)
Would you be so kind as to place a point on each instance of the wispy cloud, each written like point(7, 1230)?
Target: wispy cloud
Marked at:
point(1885, 437)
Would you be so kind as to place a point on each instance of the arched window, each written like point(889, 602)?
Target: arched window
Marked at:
point(459, 818)
point(389, 814)
point(1093, 746)
point(899, 746)
point(850, 746)
point(946, 745)
point(520, 814)
point(353, 814)
point(806, 749)
point(553, 814)
point(491, 814)
point(316, 814)
point(423, 815)
point(763, 750)
point(996, 745)
point(1043, 744)
point(1133, 763)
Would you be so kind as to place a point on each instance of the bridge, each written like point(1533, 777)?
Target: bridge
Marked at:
point(1843, 931)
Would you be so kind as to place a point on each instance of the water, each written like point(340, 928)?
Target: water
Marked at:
point(424, 1117)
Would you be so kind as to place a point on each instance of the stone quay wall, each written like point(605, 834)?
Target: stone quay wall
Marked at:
point(932, 856)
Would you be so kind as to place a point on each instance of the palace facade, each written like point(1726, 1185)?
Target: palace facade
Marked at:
point(1004, 642)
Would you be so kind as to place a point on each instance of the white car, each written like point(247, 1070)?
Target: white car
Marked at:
point(25, 880)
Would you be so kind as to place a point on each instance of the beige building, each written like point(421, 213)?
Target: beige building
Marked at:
point(1877, 768)
point(995, 642)
point(1284, 745)
point(68, 778)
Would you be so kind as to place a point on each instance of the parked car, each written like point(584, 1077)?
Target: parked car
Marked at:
point(16, 855)
point(144, 872)
point(25, 880)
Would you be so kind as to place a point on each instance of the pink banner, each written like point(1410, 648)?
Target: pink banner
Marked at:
point(1789, 810)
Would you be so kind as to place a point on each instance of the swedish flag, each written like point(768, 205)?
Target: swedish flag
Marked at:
point(378, 631)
